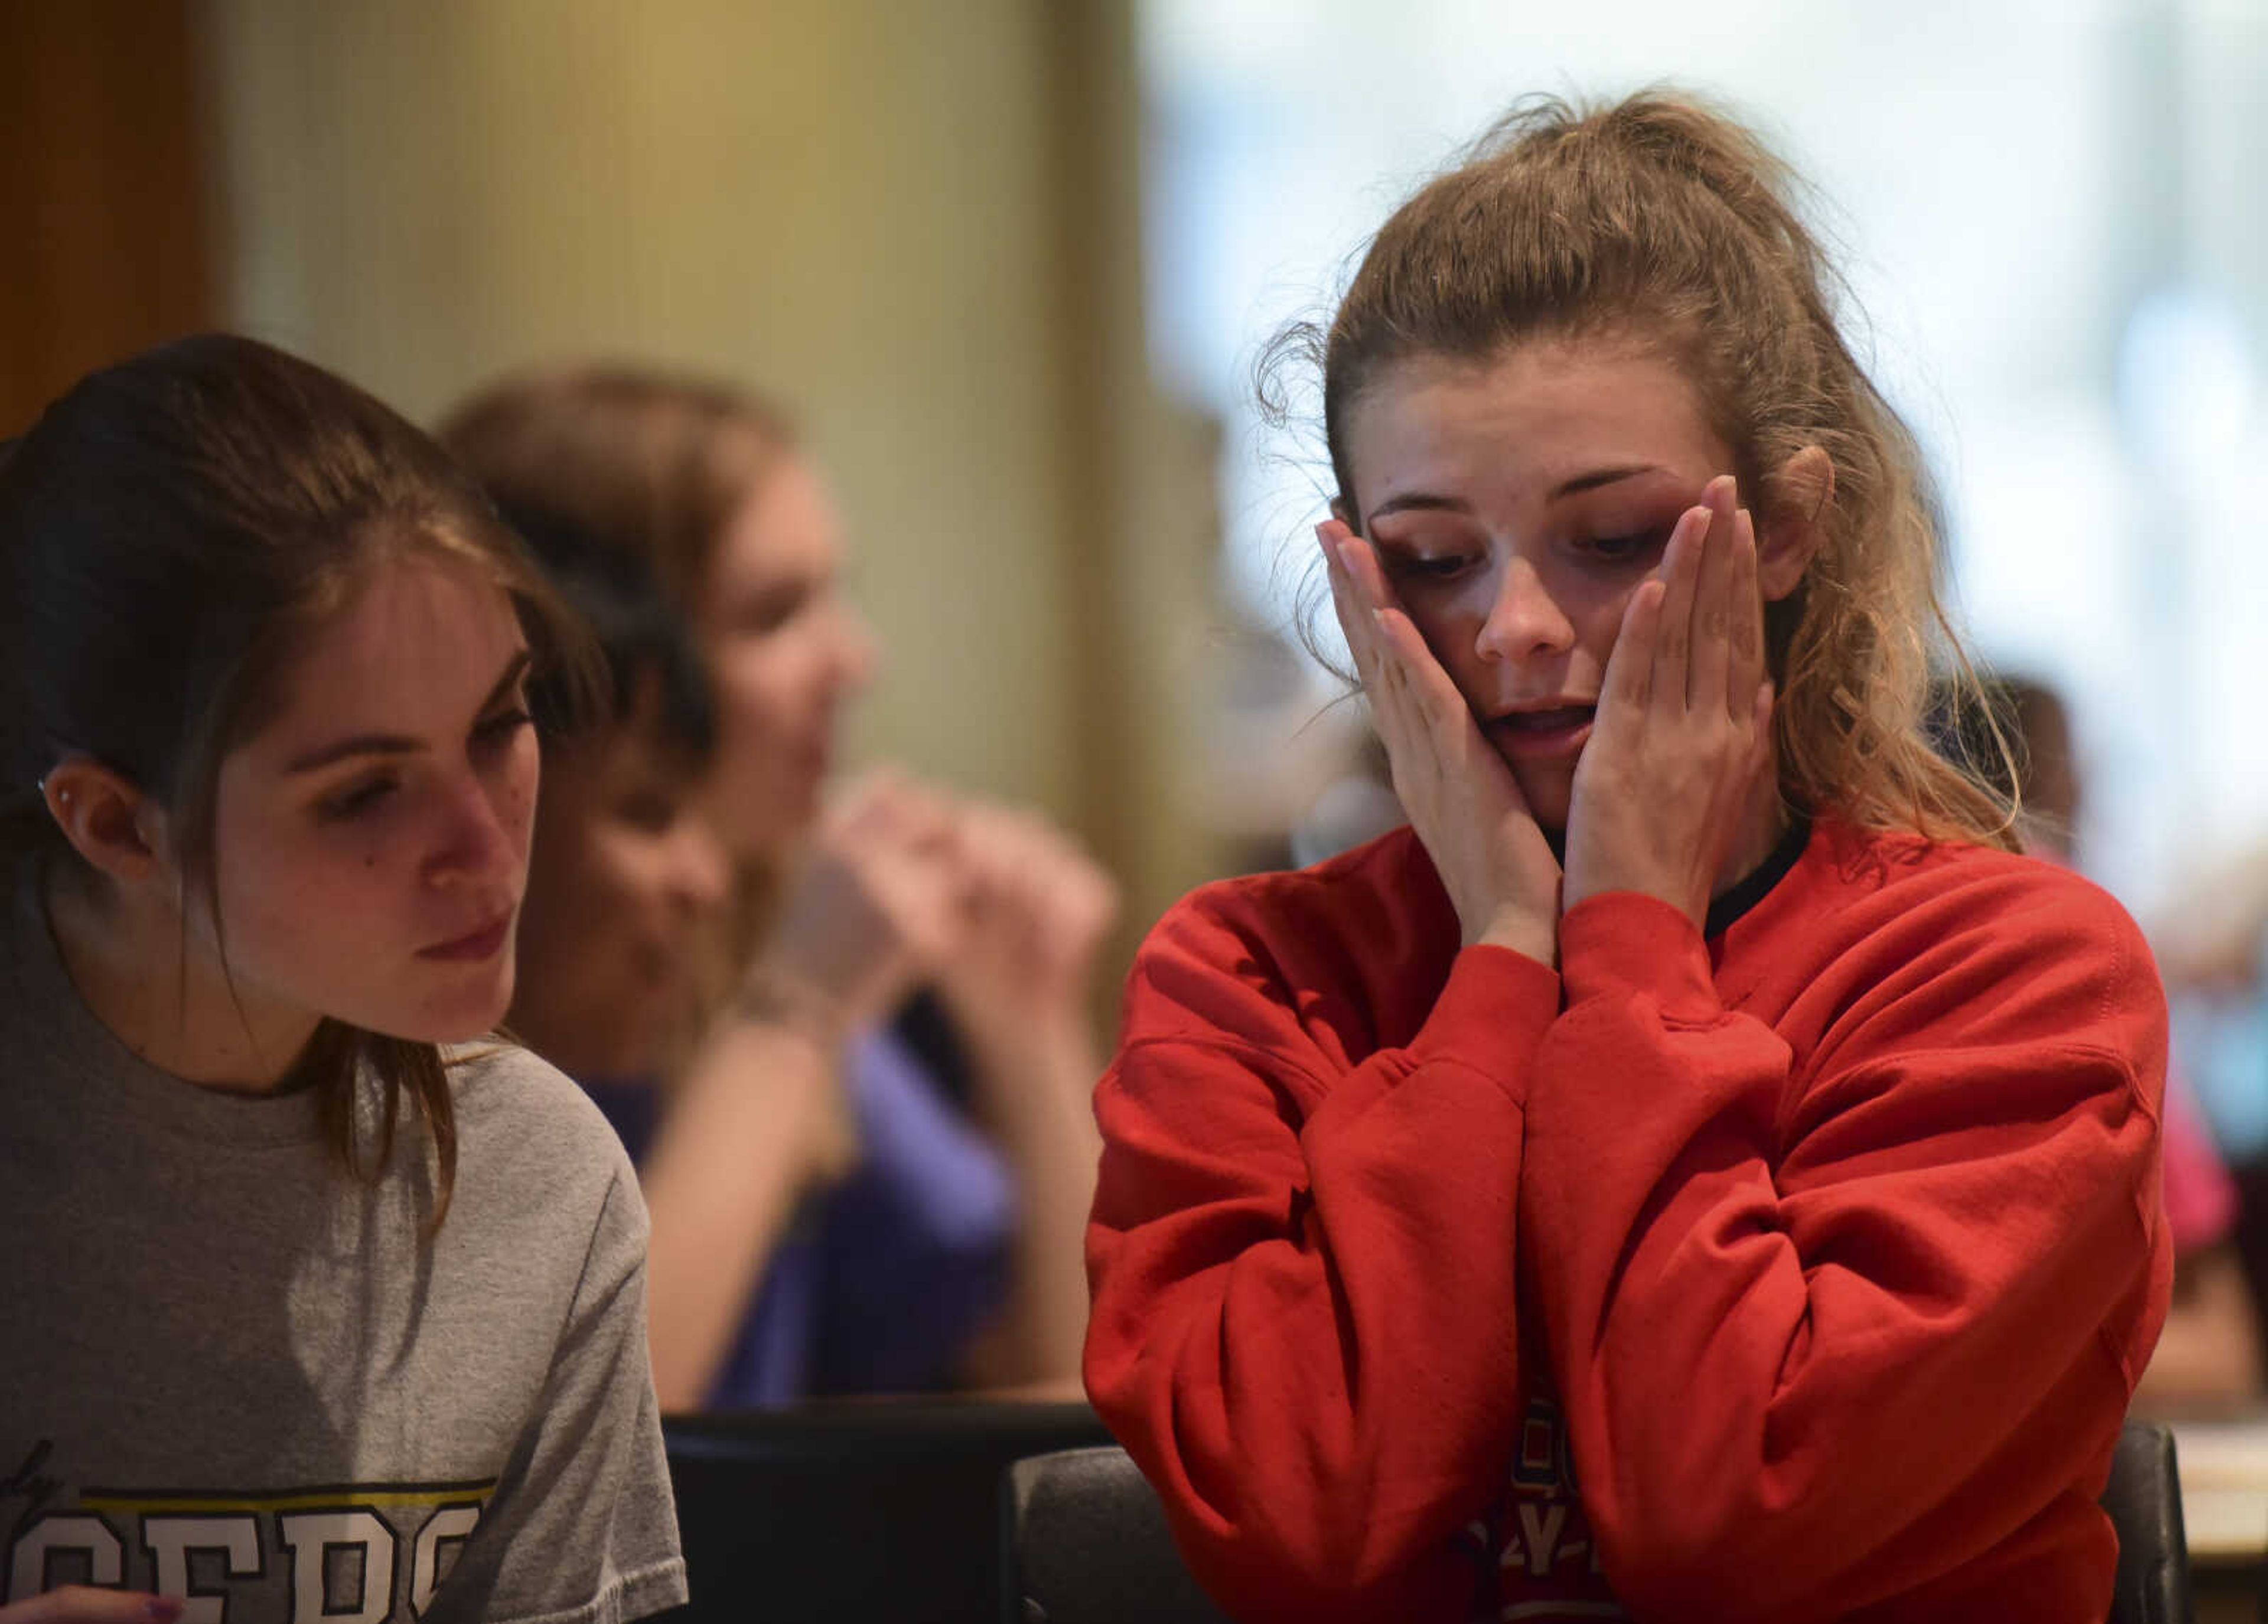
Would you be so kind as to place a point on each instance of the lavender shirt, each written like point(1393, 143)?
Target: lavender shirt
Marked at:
point(882, 1280)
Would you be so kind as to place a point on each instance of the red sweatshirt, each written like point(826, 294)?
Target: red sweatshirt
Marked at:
point(1798, 1272)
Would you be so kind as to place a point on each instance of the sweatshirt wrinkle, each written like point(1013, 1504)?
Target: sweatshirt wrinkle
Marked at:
point(1846, 1182)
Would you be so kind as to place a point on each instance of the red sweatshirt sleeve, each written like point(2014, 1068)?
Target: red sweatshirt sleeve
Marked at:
point(1304, 1326)
point(1825, 1330)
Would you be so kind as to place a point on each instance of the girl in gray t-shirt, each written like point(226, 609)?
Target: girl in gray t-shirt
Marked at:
point(321, 1302)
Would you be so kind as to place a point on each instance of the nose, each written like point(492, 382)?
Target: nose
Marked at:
point(1524, 621)
point(482, 835)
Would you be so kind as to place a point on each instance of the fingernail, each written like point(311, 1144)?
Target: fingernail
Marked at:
point(163, 1609)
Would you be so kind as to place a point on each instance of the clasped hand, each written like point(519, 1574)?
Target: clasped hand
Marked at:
point(1662, 789)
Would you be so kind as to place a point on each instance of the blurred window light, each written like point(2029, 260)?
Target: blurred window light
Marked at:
point(2043, 208)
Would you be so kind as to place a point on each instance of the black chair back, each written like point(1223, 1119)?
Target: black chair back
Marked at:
point(1086, 1540)
point(2144, 1498)
point(872, 1512)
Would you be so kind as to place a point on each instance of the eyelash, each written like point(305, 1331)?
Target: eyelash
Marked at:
point(490, 738)
point(1624, 548)
point(502, 727)
point(352, 803)
point(1445, 567)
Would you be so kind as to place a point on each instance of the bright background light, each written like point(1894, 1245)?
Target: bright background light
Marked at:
point(2047, 212)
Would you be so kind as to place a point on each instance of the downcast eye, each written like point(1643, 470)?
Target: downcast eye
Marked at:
point(1438, 567)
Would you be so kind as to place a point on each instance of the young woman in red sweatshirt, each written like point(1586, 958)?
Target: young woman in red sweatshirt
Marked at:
point(1697, 1169)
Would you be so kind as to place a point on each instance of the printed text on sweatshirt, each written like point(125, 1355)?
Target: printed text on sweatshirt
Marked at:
point(1799, 1272)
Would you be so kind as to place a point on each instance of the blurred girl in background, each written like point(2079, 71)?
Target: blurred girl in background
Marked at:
point(830, 1213)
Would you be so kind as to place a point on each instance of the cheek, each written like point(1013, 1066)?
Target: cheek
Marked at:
point(1601, 626)
point(755, 687)
point(269, 860)
point(626, 877)
point(1451, 624)
point(516, 792)
point(281, 899)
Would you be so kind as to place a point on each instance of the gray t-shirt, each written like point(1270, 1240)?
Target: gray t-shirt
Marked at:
point(229, 1370)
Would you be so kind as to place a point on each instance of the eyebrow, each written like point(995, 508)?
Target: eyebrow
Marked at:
point(1424, 502)
point(1417, 502)
point(1597, 477)
point(399, 743)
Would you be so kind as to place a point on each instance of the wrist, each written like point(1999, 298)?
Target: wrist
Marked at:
point(1526, 933)
point(1691, 900)
point(775, 995)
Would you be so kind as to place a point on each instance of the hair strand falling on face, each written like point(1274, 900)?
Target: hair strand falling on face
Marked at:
point(172, 531)
point(1661, 222)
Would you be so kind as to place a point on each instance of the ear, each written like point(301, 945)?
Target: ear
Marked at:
point(118, 829)
point(1800, 494)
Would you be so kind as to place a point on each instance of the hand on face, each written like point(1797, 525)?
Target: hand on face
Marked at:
point(1461, 797)
point(1663, 788)
point(871, 908)
point(1034, 910)
point(82, 1603)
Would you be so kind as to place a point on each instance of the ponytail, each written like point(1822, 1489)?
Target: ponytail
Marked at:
point(1661, 220)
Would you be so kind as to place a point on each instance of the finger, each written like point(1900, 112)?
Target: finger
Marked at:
point(1629, 677)
point(1346, 601)
point(928, 817)
point(83, 1604)
point(1434, 701)
point(865, 800)
point(1681, 567)
point(1393, 707)
point(1747, 663)
point(1711, 657)
point(1355, 626)
point(1360, 560)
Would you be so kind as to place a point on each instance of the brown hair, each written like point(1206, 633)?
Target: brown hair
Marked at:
point(654, 464)
point(1659, 219)
point(172, 531)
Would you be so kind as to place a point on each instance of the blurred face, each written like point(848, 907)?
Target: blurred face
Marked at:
point(1515, 505)
point(787, 651)
point(627, 873)
point(370, 842)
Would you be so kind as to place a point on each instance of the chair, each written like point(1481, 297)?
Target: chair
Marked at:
point(2144, 1498)
point(870, 1512)
point(1085, 1542)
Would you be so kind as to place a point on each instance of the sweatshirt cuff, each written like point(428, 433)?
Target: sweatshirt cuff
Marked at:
point(1493, 1013)
point(1624, 943)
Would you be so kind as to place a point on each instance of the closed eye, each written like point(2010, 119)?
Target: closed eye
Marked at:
point(500, 728)
point(1403, 566)
point(357, 798)
point(766, 612)
point(1628, 548)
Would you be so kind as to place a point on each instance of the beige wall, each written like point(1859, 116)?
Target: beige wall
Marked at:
point(884, 212)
